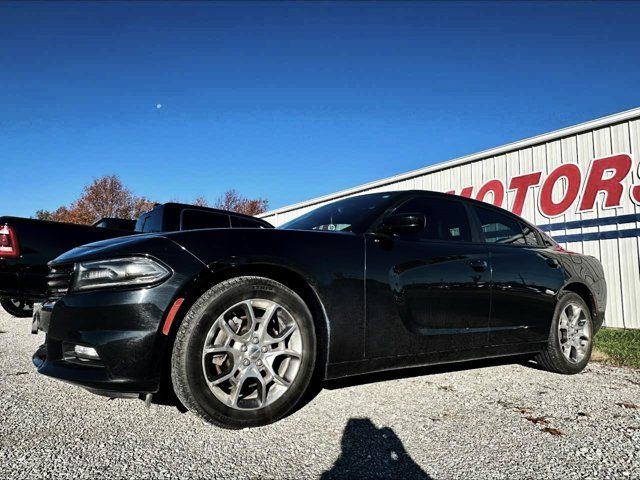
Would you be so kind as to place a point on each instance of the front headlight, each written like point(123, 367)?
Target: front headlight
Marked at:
point(119, 272)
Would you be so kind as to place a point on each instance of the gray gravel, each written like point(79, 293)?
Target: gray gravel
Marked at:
point(461, 424)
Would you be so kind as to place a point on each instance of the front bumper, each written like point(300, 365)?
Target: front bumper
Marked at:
point(122, 326)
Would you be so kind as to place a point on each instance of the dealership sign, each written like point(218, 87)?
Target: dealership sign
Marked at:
point(565, 187)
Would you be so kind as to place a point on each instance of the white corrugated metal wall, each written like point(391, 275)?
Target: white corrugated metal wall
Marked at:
point(619, 250)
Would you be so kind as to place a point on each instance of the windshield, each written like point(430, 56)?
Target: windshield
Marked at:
point(353, 214)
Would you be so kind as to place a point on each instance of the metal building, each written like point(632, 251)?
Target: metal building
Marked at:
point(580, 184)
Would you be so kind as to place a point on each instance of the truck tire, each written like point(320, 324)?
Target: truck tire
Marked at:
point(18, 307)
point(245, 353)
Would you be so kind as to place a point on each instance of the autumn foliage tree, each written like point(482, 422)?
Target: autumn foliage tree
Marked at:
point(105, 197)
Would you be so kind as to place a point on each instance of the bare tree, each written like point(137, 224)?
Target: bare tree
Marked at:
point(233, 201)
point(201, 201)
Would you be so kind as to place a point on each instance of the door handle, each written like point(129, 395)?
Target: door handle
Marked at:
point(553, 263)
point(479, 265)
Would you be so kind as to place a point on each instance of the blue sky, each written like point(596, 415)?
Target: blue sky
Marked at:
point(289, 101)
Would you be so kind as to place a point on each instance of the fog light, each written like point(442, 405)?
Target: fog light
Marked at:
point(86, 352)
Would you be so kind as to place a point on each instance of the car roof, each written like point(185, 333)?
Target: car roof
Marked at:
point(473, 201)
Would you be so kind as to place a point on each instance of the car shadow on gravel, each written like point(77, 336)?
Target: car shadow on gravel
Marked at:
point(316, 386)
point(371, 452)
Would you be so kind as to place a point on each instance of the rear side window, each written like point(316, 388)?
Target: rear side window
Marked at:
point(198, 219)
point(547, 240)
point(530, 236)
point(446, 219)
point(242, 222)
point(500, 228)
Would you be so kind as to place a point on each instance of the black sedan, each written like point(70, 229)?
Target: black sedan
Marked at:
point(238, 323)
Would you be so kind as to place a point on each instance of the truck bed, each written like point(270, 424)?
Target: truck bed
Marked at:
point(40, 241)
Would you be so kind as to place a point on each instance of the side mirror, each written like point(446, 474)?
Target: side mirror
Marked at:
point(403, 223)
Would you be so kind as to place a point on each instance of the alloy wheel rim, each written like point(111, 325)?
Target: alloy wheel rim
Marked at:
point(252, 354)
point(574, 333)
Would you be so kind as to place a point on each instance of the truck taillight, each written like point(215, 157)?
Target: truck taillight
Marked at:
point(8, 242)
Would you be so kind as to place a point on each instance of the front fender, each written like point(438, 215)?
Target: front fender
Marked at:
point(331, 264)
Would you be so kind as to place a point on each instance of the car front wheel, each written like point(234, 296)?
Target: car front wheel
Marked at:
point(571, 337)
point(244, 353)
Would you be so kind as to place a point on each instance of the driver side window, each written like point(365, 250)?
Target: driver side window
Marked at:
point(445, 219)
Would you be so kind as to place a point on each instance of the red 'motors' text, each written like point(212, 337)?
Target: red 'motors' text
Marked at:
point(564, 187)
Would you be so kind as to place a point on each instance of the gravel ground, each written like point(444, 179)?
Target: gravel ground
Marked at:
point(495, 421)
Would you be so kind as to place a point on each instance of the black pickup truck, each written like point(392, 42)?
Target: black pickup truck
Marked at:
point(26, 245)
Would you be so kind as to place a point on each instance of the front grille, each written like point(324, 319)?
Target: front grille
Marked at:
point(59, 280)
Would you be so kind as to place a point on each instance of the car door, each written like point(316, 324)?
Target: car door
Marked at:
point(525, 279)
point(430, 291)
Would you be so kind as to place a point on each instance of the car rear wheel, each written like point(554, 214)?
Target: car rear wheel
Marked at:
point(571, 337)
point(244, 353)
point(17, 307)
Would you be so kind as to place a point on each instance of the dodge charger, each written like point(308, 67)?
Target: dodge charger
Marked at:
point(239, 323)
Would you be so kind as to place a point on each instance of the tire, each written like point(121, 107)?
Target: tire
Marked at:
point(561, 355)
point(17, 307)
point(225, 389)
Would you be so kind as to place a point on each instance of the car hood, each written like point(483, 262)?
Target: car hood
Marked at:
point(270, 245)
point(104, 248)
point(207, 245)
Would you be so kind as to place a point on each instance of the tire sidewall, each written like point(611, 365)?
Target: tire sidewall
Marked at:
point(199, 321)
